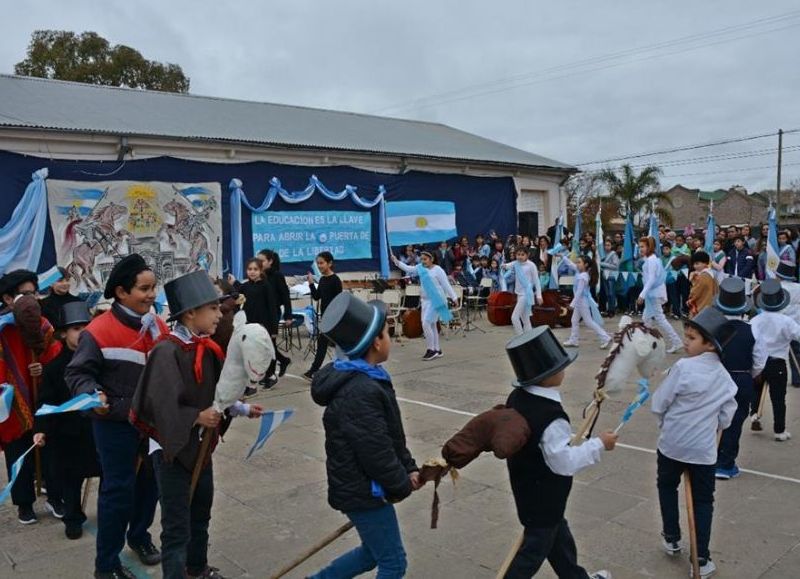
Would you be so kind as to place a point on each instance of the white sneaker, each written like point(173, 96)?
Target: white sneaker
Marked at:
point(783, 436)
point(673, 349)
point(602, 574)
point(707, 568)
point(569, 344)
point(605, 344)
point(671, 548)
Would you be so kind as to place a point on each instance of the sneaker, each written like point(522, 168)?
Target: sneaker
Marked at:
point(207, 573)
point(755, 423)
point(27, 516)
point(250, 391)
point(727, 473)
point(707, 568)
point(282, 367)
point(671, 548)
point(674, 348)
point(73, 532)
point(269, 382)
point(782, 436)
point(118, 573)
point(309, 375)
point(605, 345)
point(602, 574)
point(147, 553)
point(429, 355)
point(570, 344)
point(438, 354)
point(55, 509)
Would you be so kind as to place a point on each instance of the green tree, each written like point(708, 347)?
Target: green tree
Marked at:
point(90, 58)
point(639, 192)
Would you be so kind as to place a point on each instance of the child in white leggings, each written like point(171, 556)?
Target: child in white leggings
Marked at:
point(654, 294)
point(527, 287)
point(583, 305)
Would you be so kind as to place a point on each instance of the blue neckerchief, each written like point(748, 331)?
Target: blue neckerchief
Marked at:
point(435, 296)
point(522, 279)
point(359, 365)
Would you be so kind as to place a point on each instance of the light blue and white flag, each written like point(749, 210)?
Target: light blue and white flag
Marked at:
point(15, 468)
point(711, 229)
point(48, 278)
point(6, 401)
point(576, 237)
point(600, 238)
point(654, 232)
point(555, 252)
point(773, 257)
point(315, 272)
point(417, 222)
point(641, 397)
point(270, 421)
point(80, 402)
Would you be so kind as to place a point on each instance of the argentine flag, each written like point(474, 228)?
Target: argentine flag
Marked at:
point(773, 258)
point(270, 421)
point(417, 222)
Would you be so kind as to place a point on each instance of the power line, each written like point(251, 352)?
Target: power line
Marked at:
point(744, 170)
point(517, 81)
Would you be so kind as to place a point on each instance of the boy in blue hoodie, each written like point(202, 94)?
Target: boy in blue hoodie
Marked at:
point(369, 466)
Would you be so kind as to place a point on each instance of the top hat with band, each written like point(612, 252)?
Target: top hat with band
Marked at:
point(537, 354)
point(714, 327)
point(772, 297)
point(74, 314)
point(188, 292)
point(353, 324)
point(786, 271)
point(731, 298)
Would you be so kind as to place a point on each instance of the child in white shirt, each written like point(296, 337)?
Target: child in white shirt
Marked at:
point(583, 305)
point(527, 287)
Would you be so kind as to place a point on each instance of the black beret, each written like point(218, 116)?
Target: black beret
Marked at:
point(126, 268)
point(13, 279)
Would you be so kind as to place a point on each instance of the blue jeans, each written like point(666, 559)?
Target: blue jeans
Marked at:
point(610, 287)
point(381, 546)
point(127, 499)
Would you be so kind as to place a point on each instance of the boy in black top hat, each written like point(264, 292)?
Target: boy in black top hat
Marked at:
point(369, 466)
point(70, 442)
point(737, 357)
point(541, 473)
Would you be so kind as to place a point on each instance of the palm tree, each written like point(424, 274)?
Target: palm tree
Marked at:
point(640, 193)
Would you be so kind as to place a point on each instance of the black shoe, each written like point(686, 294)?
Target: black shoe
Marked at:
point(26, 515)
point(147, 553)
point(207, 573)
point(119, 573)
point(282, 367)
point(55, 509)
point(438, 354)
point(73, 532)
point(309, 375)
point(248, 392)
point(269, 383)
point(429, 355)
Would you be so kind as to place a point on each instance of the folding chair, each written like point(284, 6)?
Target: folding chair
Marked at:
point(455, 324)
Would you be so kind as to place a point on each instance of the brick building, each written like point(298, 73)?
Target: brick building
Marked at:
point(731, 207)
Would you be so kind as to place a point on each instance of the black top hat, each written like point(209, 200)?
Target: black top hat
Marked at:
point(772, 297)
point(537, 354)
point(714, 326)
point(188, 292)
point(352, 324)
point(786, 271)
point(126, 268)
point(731, 298)
point(74, 314)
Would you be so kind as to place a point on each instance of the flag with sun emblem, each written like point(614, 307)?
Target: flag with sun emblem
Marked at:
point(773, 258)
point(416, 222)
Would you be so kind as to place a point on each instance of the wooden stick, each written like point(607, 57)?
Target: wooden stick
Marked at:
point(687, 486)
point(87, 488)
point(594, 410)
point(201, 459)
point(313, 550)
point(762, 400)
point(37, 454)
point(510, 557)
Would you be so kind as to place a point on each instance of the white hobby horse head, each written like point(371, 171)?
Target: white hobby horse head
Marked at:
point(250, 352)
point(636, 348)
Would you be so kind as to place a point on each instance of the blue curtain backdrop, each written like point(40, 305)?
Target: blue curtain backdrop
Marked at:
point(482, 203)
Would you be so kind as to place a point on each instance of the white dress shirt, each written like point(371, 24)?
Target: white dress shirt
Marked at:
point(694, 401)
point(530, 271)
point(773, 332)
point(651, 272)
point(559, 456)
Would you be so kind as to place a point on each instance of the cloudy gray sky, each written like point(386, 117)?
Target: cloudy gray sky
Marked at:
point(575, 81)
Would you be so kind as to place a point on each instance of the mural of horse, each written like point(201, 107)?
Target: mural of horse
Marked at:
point(81, 267)
point(190, 226)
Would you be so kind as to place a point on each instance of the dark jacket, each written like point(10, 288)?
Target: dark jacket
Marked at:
point(278, 282)
point(539, 493)
point(445, 260)
point(737, 356)
point(745, 261)
point(364, 439)
point(260, 305)
point(110, 357)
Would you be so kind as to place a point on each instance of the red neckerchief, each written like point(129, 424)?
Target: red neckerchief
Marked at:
point(202, 344)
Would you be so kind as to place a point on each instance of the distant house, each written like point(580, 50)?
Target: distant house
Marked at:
point(731, 207)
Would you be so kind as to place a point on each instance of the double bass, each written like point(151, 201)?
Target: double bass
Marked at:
point(499, 308)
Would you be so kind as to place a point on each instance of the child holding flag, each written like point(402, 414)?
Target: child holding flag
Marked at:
point(526, 286)
point(694, 402)
point(70, 442)
point(434, 292)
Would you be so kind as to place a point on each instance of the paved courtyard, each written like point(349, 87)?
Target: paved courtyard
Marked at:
point(272, 507)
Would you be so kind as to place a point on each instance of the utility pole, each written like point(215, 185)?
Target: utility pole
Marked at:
point(780, 157)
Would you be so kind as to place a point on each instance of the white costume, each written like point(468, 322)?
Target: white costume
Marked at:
point(582, 304)
point(655, 289)
point(520, 317)
point(439, 277)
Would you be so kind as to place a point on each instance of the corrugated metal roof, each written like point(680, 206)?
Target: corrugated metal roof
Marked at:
point(67, 106)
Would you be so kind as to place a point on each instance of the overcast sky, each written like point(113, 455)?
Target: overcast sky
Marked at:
point(451, 61)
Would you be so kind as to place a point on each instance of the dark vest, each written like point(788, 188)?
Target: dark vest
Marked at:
point(540, 494)
point(737, 355)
